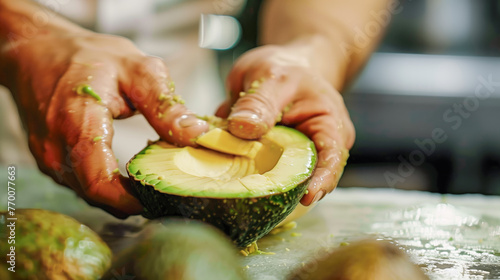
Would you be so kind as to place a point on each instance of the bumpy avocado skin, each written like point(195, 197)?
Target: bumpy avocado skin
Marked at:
point(244, 220)
point(367, 259)
point(49, 245)
point(179, 250)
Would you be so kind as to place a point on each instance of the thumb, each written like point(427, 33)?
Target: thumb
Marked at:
point(260, 106)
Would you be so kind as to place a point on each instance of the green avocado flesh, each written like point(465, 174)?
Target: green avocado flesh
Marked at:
point(179, 250)
point(49, 245)
point(245, 196)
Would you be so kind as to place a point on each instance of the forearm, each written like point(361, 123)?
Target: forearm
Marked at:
point(337, 36)
point(21, 21)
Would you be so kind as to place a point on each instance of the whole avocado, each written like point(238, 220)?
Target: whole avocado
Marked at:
point(367, 259)
point(179, 250)
point(50, 245)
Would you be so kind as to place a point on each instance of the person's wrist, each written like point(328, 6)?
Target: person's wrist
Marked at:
point(323, 56)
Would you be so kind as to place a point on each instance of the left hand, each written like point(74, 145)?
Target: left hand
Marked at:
point(70, 131)
point(281, 86)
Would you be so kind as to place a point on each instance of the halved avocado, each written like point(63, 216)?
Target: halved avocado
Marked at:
point(245, 193)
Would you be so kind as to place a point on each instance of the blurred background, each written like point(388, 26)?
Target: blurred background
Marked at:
point(420, 118)
point(426, 107)
point(427, 77)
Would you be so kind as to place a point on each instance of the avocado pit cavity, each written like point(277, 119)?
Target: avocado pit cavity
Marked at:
point(243, 187)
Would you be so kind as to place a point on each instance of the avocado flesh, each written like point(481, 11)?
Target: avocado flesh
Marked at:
point(222, 141)
point(285, 159)
point(244, 197)
point(49, 245)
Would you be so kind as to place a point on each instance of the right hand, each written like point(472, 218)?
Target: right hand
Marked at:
point(69, 133)
point(289, 90)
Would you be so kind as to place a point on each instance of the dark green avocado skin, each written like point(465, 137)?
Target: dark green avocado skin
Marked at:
point(178, 250)
point(244, 220)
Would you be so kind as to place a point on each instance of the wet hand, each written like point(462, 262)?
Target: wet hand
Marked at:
point(70, 86)
point(276, 84)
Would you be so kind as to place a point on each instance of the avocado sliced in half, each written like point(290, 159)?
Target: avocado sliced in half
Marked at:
point(245, 190)
point(222, 141)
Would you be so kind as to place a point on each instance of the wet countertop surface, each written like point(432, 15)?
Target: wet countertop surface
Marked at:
point(449, 236)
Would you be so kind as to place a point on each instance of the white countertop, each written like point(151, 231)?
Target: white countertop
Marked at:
point(450, 236)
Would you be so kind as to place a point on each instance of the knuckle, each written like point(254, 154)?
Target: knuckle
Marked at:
point(261, 103)
point(138, 93)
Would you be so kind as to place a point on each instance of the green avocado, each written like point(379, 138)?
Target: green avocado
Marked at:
point(178, 250)
point(243, 188)
point(49, 245)
point(362, 260)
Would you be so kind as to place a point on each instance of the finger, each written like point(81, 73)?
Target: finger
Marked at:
point(332, 157)
point(260, 106)
point(254, 65)
point(235, 82)
point(320, 113)
point(95, 165)
point(317, 101)
point(52, 161)
point(87, 133)
point(151, 91)
point(98, 81)
point(235, 85)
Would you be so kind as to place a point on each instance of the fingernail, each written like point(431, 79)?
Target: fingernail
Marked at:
point(246, 114)
point(190, 120)
point(319, 195)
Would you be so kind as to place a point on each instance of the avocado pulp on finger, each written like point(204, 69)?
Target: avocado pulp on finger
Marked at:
point(245, 191)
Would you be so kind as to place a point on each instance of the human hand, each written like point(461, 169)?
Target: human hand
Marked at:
point(273, 84)
point(69, 86)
